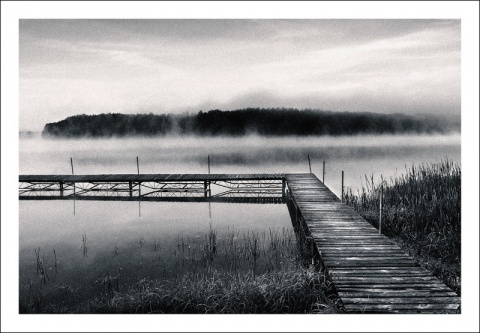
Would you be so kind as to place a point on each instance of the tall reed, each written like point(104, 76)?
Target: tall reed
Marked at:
point(422, 208)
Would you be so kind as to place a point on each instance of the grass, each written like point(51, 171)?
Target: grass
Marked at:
point(231, 272)
point(301, 291)
point(422, 211)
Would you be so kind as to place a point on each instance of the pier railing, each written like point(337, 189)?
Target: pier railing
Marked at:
point(264, 188)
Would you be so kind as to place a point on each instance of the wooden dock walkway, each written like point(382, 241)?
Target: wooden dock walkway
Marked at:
point(249, 188)
point(369, 271)
point(149, 177)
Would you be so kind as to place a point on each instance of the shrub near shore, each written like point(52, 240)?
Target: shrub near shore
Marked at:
point(422, 211)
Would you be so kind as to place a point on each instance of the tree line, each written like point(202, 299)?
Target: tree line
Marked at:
point(269, 122)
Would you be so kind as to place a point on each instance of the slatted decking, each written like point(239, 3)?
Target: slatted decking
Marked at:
point(148, 177)
point(370, 272)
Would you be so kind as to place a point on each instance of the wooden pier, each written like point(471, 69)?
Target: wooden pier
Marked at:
point(250, 188)
point(369, 271)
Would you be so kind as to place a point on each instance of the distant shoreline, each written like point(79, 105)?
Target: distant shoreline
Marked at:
point(237, 123)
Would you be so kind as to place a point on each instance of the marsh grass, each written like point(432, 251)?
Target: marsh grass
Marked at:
point(227, 272)
point(422, 210)
point(299, 291)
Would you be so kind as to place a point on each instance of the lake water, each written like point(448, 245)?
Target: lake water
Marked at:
point(133, 240)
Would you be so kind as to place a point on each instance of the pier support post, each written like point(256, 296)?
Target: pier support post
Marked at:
point(342, 185)
point(206, 189)
point(61, 189)
point(130, 187)
point(283, 189)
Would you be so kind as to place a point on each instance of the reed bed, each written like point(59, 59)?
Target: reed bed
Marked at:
point(292, 291)
point(422, 210)
point(230, 272)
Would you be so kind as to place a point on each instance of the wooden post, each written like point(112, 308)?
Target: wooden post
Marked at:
point(342, 186)
point(130, 186)
point(381, 208)
point(208, 160)
point(283, 189)
point(323, 177)
point(309, 164)
point(205, 188)
point(74, 189)
point(61, 189)
point(139, 195)
point(138, 167)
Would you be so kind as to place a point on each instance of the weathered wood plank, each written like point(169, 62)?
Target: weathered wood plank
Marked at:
point(404, 308)
point(401, 300)
point(387, 280)
point(417, 286)
point(385, 293)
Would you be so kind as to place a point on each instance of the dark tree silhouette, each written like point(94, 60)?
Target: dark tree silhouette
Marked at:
point(270, 122)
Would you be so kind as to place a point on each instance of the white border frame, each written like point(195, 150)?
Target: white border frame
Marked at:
point(466, 11)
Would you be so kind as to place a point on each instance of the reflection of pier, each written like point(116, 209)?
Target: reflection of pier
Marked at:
point(369, 271)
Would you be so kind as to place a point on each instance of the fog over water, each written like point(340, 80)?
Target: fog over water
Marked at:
point(355, 155)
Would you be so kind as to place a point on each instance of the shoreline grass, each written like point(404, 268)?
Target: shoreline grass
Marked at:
point(292, 291)
point(422, 213)
point(232, 272)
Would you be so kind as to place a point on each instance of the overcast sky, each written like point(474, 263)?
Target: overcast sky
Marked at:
point(72, 67)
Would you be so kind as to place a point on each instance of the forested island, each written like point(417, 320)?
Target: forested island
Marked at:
point(268, 122)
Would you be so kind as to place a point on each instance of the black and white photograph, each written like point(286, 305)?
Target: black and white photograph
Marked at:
point(189, 164)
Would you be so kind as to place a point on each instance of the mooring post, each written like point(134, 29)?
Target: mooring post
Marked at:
point(342, 186)
point(74, 188)
point(139, 195)
point(323, 177)
point(309, 165)
point(381, 207)
point(208, 161)
point(209, 189)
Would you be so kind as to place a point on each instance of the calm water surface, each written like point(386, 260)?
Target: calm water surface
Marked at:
point(119, 234)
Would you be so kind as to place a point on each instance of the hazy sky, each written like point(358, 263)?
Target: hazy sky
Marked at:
point(71, 67)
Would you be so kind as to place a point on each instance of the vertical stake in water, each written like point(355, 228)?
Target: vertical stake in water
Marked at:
point(342, 186)
point(309, 165)
point(209, 188)
point(139, 188)
point(74, 192)
point(323, 177)
point(381, 208)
